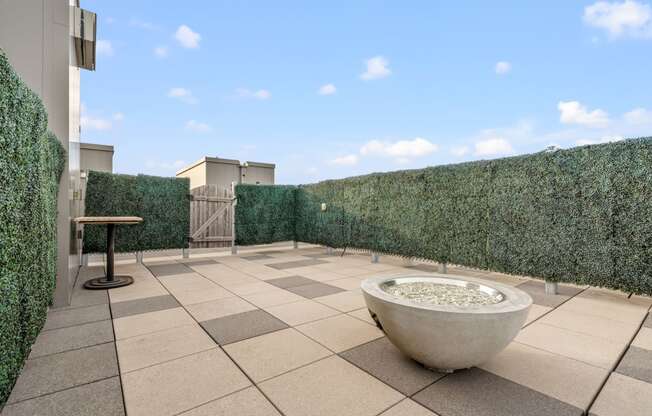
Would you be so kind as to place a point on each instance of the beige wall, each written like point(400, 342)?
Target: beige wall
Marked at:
point(216, 171)
point(35, 35)
point(96, 157)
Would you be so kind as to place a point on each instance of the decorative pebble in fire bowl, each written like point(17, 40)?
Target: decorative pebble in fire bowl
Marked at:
point(446, 323)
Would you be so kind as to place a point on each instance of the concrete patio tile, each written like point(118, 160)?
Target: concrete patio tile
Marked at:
point(505, 279)
point(351, 271)
point(637, 363)
point(317, 255)
point(218, 308)
point(379, 267)
point(321, 276)
point(199, 262)
point(315, 290)
point(70, 317)
point(476, 392)
point(265, 273)
point(61, 371)
point(623, 395)
point(609, 304)
point(407, 407)
point(297, 313)
point(72, 337)
point(363, 315)
point(565, 379)
point(193, 288)
point(272, 298)
point(154, 348)
point(144, 305)
point(160, 270)
point(643, 339)
point(247, 402)
point(648, 321)
point(182, 384)
point(145, 323)
point(102, 397)
point(590, 349)
point(290, 281)
point(536, 289)
point(273, 354)
point(329, 387)
point(348, 283)
point(340, 333)
point(535, 312)
point(255, 257)
point(229, 279)
point(295, 264)
point(344, 301)
point(237, 327)
point(384, 361)
point(598, 326)
point(143, 287)
point(251, 288)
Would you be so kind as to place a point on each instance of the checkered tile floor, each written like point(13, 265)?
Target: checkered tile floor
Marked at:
point(286, 332)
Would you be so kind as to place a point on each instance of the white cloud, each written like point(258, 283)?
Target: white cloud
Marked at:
point(459, 151)
point(503, 67)
point(174, 166)
point(572, 112)
point(402, 149)
point(377, 67)
point(187, 38)
point(348, 160)
point(197, 127)
point(493, 147)
point(608, 139)
point(258, 95)
point(94, 123)
point(161, 51)
point(104, 47)
point(638, 116)
point(182, 94)
point(118, 116)
point(328, 89)
point(627, 18)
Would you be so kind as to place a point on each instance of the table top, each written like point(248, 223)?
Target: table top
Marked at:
point(108, 220)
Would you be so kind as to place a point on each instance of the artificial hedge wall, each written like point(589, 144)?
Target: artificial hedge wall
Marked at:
point(162, 203)
point(582, 215)
point(267, 214)
point(31, 163)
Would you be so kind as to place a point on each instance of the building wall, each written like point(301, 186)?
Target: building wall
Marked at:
point(222, 172)
point(258, 173)
point(35, 35)
point(96, 157)
point(196, 174)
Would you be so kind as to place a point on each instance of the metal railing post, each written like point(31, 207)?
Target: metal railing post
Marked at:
point(375, 257)
point(442, 268)
point(551, 288)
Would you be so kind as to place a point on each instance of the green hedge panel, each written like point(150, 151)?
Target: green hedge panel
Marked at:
point(267, 214)
point(31, 163)
point(581, 215)
point(162, 203)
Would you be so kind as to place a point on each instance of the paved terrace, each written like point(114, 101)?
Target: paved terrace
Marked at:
point(286, 332)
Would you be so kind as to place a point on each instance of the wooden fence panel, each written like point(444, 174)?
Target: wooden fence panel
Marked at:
point(211, 210)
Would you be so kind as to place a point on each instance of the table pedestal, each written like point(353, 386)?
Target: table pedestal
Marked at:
point(110, 280)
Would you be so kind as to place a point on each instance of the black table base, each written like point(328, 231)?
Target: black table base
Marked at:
point(105, 283)
point(109, 281)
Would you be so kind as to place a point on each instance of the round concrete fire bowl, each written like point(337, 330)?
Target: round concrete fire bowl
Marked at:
point(446, 323)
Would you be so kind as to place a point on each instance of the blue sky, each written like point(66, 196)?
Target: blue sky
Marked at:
point(340, 88)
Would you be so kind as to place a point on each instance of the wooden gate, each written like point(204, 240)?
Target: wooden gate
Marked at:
point(211, 216)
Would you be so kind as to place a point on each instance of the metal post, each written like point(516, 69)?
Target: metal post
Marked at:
point(234, 249)
point(375, 257)
point(442, 268)
point(84, 259)
point(295, 244)
point(234, 202)
point(551, 288)
point(139, 257)
point(185, 253)
point(329, 251)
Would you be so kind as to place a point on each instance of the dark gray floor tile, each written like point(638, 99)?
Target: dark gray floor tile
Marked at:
point(271, 252)
point(100, 398)
point(648, 321)
point(296, 263)
point(71, 317)
point(314, 290)
point(290, 281)
point(254, 257)
point(199, 262)
point(144, 305)
point(536, 289)
point(476, 392)
point(384, 361)
point(72, 337)
point(159, 270)
point(637, 363)
point(430, 268)
point(61, 371)
point(241, 326)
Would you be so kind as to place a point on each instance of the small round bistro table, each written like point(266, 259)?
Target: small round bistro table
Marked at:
point(110, 280)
